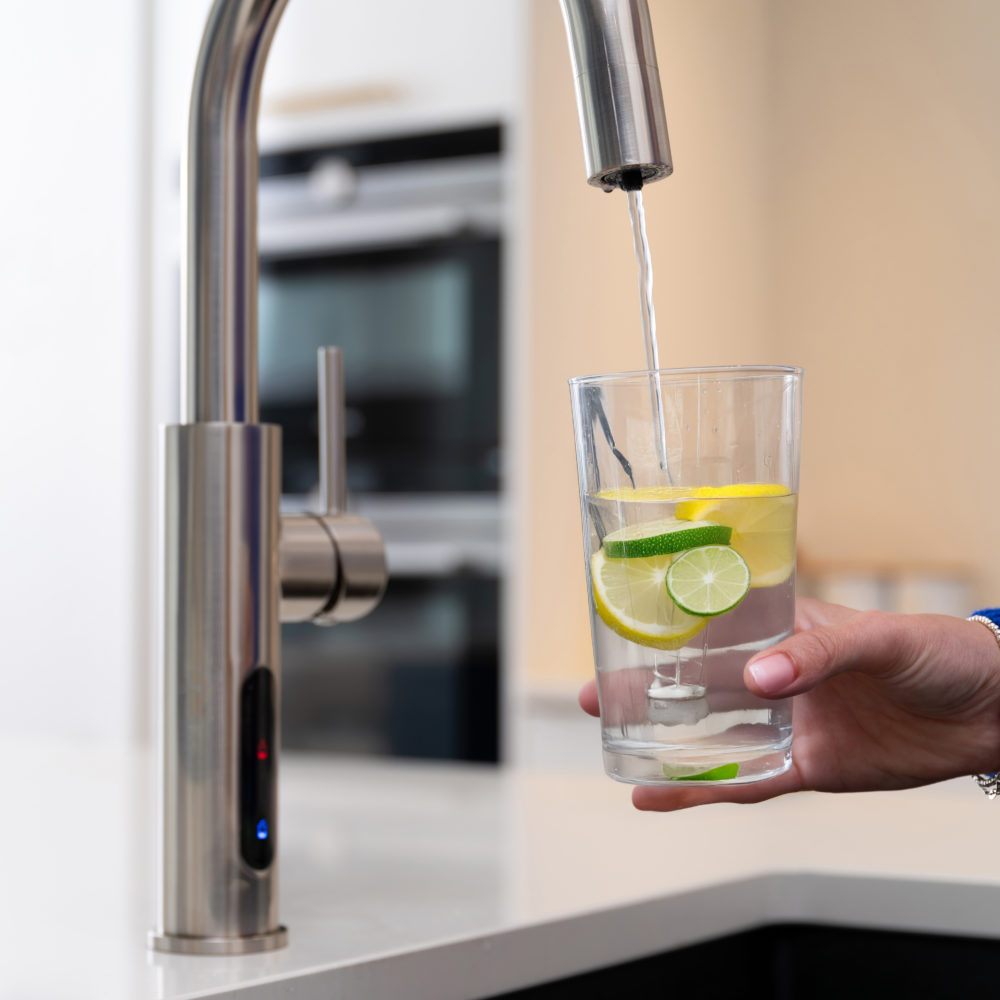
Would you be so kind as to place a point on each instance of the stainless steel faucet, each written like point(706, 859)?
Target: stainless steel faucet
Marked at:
point(234, 566)
point(618, 95)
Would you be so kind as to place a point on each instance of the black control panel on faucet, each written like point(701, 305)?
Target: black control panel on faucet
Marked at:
point(257, 798)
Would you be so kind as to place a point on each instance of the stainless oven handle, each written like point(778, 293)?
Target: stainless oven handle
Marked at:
point(442, 560)
point(343, 231)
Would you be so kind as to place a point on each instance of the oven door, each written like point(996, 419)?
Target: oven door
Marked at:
point(419, 330)
point(417, 678)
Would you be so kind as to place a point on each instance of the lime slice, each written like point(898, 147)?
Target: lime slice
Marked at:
point(630, 596)
point(762, 516)
point(709, 580)
point(658, 538)
point(724, 772)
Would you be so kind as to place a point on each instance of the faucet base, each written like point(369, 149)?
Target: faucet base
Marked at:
point(221, 690)
point(183, 944)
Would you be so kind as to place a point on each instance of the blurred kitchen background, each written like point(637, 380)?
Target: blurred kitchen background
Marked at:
point(835, 204)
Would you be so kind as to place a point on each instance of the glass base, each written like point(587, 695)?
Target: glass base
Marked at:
point(668, 767)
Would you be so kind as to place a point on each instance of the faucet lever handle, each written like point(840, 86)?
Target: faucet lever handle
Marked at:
point(332, 437)
point(331, 564)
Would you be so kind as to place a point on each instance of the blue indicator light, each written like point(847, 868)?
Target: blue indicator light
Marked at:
point(262, 830)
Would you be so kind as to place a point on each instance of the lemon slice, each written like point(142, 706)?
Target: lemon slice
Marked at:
point(645, 493)
point(708, 581)
point(657, 538)
point(630, 596)
point(762, 516)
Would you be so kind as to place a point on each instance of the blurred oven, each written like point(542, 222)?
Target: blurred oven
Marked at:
point(391, 250)
point(419, 676)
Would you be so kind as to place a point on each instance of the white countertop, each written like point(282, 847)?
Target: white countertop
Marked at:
point(450, 881)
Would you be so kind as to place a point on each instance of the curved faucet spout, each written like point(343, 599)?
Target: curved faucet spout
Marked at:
point(219, 187)
point(622, 121)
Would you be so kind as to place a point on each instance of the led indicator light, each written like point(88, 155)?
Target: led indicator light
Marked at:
point(262, 829)
point(262, 750)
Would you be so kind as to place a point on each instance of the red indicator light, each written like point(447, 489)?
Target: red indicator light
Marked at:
point(262, 750)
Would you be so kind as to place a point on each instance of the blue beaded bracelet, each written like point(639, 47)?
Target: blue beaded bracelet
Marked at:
point(990, 617)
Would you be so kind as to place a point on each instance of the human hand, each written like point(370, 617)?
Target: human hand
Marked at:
point(883, 701)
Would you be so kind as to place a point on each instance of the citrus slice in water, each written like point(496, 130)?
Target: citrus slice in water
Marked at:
point(762, 516)
point(667, 535)
point(645, 493)
point(724, 772)
point(630, 597)
point(708, 581)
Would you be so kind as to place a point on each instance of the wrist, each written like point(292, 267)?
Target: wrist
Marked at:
point(989, 618)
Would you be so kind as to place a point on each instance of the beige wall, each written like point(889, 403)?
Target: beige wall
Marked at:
point(887, 207)
point(835, 204)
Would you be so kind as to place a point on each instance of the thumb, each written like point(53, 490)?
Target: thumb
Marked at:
point(871, 642)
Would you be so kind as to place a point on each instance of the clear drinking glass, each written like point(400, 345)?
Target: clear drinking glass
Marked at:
point(688, 490)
